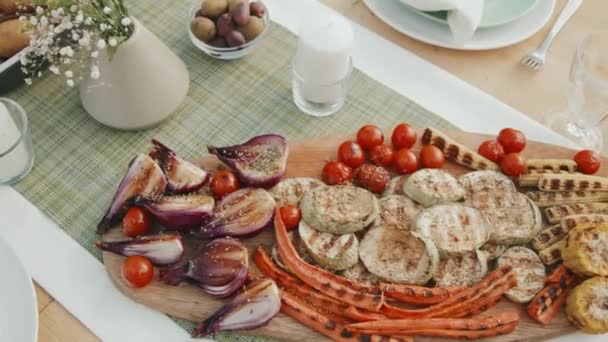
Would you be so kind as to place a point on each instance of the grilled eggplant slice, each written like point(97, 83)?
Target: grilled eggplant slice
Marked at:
point(395, 186)
point(332, 252)
point(557, 213)
point(487, 180)
point(529, 270)
point(463, 270)
point(360, 274)
point(550, 165)
point(432, 186)
point(572, 182)
point(454, 228)
point(339, 209)
point(492, 251)
point(552, 254)
point(547, 199)
point(585, 251)
point(398, 256)
point(587, 306)
point(397, 211)
point(291, 190)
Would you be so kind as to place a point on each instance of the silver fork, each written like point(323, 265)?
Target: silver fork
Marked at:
point(536, 59)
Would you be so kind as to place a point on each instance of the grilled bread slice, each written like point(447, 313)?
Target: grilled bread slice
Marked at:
point(529, 270)
point(557, 213)
point(454, 228)
point(550, 165)
point(555, 233)
point(432, 186)
point(585, 251)
point(548, 199)
point(572, 182)
point(530, 178)
point(332, 252)
point(492, 251)
point(359, 273)
point(552, 254)
point(487, 180)
point(456, 152)
point(338, 209)
point(291, 190)
point(515, 219)
point(463, 270)
point(395, 186)
point(397, 211)
point(398, 256)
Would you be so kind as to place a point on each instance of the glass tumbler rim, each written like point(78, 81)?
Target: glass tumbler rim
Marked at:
point(299, 77)
point(22, 130)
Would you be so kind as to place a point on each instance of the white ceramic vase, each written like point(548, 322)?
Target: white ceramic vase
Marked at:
point(143, 83)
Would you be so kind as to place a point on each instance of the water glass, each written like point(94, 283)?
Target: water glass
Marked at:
point(587, 94)
point(16, 152)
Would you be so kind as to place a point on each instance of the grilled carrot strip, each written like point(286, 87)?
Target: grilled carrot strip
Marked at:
point(460, 300)
point(481, 308)
point(404, 326)
point(360, 315)
point(413, 294)
point(345, 290)
point(547, 303)
point(465, 334)
point(326, 326)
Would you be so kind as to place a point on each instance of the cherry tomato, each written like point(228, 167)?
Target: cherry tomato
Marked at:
point(371, 177)
point(587, 162)
point(223, 183)
point(404, 136)
point(351, 154)
point(137, 271)
point(513, 165)
point(431, 157)
point(136, 222)
point(405, 161)
point(335, 172)
point(381, 155)
point(492, 150)
point(291, 215)
point(512, 140)
point(369, 136)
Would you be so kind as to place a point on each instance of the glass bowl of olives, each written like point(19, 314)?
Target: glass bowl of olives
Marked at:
point(228, 29)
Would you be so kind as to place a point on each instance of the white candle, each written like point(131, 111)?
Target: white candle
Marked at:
point(16, 161)
point(323, 56)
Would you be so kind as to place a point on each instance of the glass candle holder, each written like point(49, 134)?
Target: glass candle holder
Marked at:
point(319, 99)
point(16, 152)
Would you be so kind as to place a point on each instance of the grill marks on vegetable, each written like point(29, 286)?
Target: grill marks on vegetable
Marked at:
point(456, 152)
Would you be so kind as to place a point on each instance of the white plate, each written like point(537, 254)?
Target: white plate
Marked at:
point(18, 307)
point(405, 20)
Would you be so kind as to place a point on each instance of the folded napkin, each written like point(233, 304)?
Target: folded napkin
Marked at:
point(464, 16)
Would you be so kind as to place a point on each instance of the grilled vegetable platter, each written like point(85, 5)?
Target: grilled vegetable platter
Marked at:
point(413, 235)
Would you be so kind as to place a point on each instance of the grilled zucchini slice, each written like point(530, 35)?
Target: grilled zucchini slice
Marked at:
point(359, 273)
point(587, 306)
point(332, 252)
point(463, 270)
point(585, 251)
point(487, 180)
point(338, 209)
point(557, 213)
point(454, 228)
point(397, 211)
point(395, 186)
point(529, 270)
point(291, 190)
point(398, 256)
point(432, 186)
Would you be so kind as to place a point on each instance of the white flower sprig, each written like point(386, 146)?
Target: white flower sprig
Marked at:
point(68, 36)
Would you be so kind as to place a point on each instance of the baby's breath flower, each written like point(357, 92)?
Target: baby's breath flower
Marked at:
point(22, 18)
point(103, 27)
point(69, 74)
point(39, 10)
point(74, 8)
point(88, 21)
point(126, 21)
point(33, 20)
point(107, 10)
point(101, 44)
point(94, 54)
point(54, 69)
point(28, 81)
point(113, 42)
point(70, 83)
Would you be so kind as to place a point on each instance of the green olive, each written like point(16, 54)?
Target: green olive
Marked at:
point(254, 28)
point(214, 8)
point(203, 28)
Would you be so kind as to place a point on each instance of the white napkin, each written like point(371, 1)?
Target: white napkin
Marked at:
point(464, 15)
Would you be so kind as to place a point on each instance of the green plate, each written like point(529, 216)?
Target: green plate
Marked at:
point(495, 12)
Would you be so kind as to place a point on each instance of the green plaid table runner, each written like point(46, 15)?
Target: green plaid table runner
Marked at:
point(79, 162)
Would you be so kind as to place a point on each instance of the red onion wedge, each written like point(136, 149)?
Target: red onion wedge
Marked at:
point(179, 212)
point(160, 249)
point(220, 269)
point(242, 213)
point(144, 178)
point(251, 309)
point(260, 162)
point(182, 175)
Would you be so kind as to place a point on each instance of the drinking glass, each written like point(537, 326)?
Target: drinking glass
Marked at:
point(587, 94)
point(16, 153)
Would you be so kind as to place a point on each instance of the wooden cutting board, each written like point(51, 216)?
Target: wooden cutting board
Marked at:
point(306, 158)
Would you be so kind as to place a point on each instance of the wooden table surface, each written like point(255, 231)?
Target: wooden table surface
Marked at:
point(496, 72)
